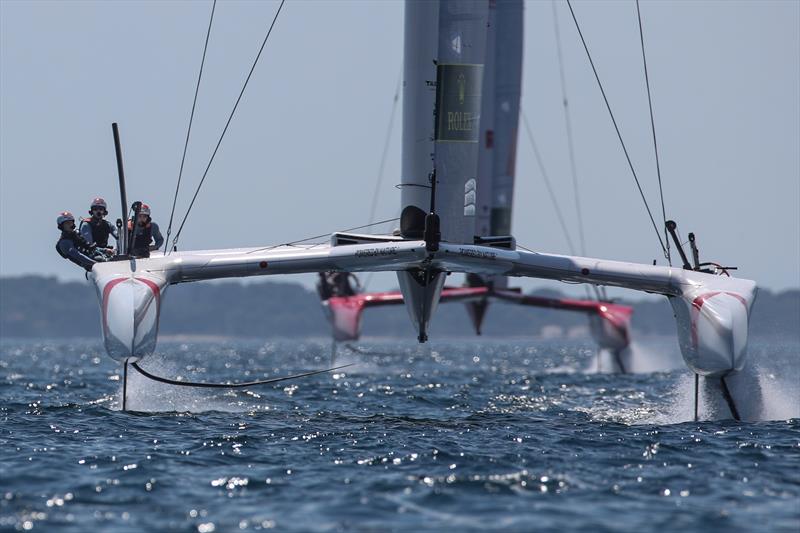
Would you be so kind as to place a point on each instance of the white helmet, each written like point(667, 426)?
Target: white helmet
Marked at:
point(64, 217)
point(144, 210)
point(98, 202)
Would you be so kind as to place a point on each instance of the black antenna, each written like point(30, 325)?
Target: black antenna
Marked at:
point(432, 179)
point(122, 191)
point(672, 228)
point(135, 207)
point(125, 385)
point(695, 252)
point(432, 233)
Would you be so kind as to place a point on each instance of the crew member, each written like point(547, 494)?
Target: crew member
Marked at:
point(337, 284)
point(145, 231)
point(72, 245)
point(97, 229)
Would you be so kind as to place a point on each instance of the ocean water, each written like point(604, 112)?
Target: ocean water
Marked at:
point(513, 435)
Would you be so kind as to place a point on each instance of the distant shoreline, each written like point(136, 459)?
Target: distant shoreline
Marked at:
point(39, 307)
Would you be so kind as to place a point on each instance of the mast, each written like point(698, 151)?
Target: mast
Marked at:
point(419, 92)
point(459, 82)
point(507, 88)
point(502, 77)
point(483, 207)
point(123, 232)
point(445, 47)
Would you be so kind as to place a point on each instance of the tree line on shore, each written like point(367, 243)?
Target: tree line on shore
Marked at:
point(45, 307)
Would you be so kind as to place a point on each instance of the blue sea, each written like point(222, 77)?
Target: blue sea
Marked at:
point(513, 435)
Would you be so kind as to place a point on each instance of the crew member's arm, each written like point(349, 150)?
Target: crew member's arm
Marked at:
point(156, 237)
point(74, 255)
point(113, 230)
point(86, 232)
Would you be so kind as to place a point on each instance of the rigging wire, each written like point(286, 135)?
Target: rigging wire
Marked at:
point(571, 148)
point(385, 149)
point(370, 274)
point(266, 248)
point(568, 124)
point(552, 195)
point(189, 129)
point(653, 128)
point(547, 183)
point(616, 128)
point(383, 161)
point(225, 129)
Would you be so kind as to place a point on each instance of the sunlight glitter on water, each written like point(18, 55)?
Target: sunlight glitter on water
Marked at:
point(484, 436)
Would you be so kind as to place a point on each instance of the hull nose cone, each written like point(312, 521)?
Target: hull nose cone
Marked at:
point(130, 312)
point(713, 332)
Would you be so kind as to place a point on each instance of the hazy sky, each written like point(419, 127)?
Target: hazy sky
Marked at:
point(302, 155)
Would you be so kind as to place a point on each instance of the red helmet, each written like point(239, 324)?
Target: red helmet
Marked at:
point(64, 217)
point(144, 210)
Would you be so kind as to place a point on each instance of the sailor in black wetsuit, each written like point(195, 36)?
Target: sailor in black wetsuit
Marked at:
point(71, 245)
point(337, 284)
point(144, 233)
point(97, 229)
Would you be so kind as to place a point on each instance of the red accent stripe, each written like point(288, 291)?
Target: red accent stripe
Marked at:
point(376, 299)
point(618, 316)
point(106, 292)
point(153, 287)
point(157, 293)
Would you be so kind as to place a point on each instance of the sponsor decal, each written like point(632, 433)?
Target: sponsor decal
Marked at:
point(478, 254)
point(377, 252)
point(469, 197)
point(458, 99)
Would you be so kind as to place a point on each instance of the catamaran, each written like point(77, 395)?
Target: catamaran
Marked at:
point(609, 323)
point(446, 224)
point(343, 298)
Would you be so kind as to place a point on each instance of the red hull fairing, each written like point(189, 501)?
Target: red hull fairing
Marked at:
point(609, 323)
point(344, 312)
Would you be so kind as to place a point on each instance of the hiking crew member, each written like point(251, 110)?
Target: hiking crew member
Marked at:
point(71, 245)
point(97, 229)
point(145, 231)
point(337, 284)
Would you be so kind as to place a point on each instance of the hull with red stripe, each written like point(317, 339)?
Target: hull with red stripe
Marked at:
point(609, 323)
point(130, 308)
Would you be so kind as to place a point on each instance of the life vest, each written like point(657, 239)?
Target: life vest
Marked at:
point(142, 236)
point(100, 231)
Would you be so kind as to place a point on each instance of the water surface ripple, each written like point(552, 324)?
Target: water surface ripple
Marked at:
point(521, 435)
